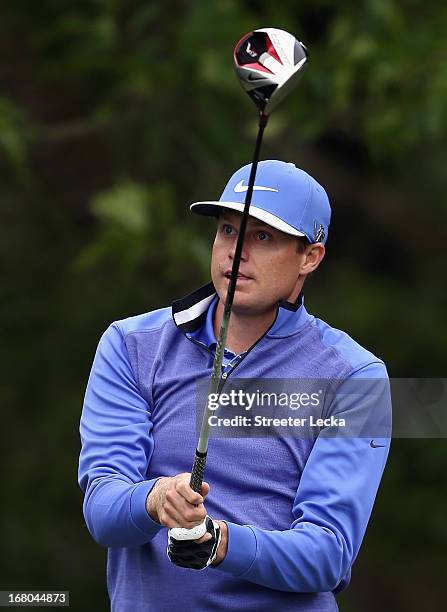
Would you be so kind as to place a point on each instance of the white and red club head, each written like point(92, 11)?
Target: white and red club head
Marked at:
point(269, 63)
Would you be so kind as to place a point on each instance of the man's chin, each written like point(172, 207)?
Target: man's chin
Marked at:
point(248, 306)
point(241, 301)
point(241, 294)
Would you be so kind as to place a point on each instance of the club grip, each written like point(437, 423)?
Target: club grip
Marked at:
point(198, 471)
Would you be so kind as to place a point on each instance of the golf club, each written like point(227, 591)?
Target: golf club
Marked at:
point(268, 63)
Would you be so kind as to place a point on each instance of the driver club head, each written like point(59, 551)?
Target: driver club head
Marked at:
point(269, 63)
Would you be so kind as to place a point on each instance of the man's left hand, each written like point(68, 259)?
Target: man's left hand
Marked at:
point(199, 554)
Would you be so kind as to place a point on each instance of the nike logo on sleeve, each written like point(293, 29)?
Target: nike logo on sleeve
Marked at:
point(373, 445)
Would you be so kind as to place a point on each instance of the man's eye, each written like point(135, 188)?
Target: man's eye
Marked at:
point(227, 229)
point(263, 236)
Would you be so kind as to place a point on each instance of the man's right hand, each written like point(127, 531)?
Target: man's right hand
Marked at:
point(173, 503)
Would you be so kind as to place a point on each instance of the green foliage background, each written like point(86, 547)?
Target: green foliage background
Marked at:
point(114, 116)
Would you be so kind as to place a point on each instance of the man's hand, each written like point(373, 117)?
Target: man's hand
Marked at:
point(173, 503)
point(211, 549)
point(195, 554)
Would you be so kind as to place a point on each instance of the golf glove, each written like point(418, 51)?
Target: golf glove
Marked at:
point(189, 554)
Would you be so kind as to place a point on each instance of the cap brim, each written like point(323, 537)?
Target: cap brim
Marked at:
point(211, 209)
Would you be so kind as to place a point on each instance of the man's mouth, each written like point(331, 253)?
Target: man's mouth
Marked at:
point(240, 276)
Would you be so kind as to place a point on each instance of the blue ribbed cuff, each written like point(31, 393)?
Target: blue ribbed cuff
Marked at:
point(138, 512)
point(241, 550)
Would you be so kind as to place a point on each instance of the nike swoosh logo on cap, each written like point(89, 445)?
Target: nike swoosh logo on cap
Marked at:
point(240, 187)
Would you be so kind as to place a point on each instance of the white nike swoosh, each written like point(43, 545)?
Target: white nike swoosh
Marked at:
point(240, 187)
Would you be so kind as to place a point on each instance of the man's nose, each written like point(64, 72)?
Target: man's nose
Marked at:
point(244, 252)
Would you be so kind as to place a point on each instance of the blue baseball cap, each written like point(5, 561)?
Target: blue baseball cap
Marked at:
point(284, 196)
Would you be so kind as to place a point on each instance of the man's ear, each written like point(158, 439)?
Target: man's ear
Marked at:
point(313, 257)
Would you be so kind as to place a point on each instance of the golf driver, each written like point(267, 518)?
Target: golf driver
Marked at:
point(268, 63)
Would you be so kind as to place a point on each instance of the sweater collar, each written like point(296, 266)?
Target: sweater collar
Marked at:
point(189, 313)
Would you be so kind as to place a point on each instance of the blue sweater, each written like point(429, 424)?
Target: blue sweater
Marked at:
point(296, 509)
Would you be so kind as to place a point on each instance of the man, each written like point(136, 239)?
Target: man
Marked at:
point(292, 511)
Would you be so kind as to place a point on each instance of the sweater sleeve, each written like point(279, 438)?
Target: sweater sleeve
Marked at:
point(116, 449)
point(333, 502)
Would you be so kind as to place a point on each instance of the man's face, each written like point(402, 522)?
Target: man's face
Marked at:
point(270, 265)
